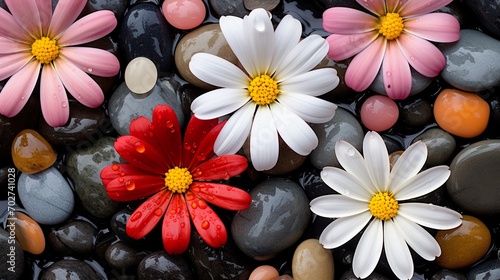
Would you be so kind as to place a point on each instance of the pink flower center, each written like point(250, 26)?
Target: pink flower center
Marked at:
point(391, 25)
point(45, 50)
point(263, 90)
point(178, 179)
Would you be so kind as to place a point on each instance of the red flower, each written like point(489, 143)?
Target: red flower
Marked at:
point(177, 174)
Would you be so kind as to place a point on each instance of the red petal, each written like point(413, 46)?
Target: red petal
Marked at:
point(111, 172)
point(220, 168)
point(168, 134)
point(142, 128)
point(206, 147)
point(146, 216)
point(176, 229)
point(196, 132)
point(141, 154)
point(206, 222)
point(225, 196)
point(133, 187)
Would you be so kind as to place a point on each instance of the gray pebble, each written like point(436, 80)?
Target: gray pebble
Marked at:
point(440, 145)
point(419, 82)
point(123, 257)
point(229, 8)
point(76, 238)
point(70, 269)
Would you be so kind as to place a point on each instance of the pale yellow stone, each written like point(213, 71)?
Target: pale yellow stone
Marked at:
point(312, 261)
point(141, 75)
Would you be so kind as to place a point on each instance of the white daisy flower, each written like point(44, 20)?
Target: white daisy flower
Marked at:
point(276, 94)
point(369, 193)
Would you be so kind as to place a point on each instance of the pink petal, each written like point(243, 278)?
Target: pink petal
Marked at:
point(18, 89)
point(89, 28)
point(347, 21)
point(53, 98)
point(27, 15)
point(8, 46)
point(83, 88)
point(437, 27)
point(396, 72)
point(393, 6)
point(418, 7)
point(92, 60)
point(375, 6)
point(45, 11)
point(364, 67)
point(64, 15)
point(422, 55)
point(345, 46)
point(11, 63)
point(11, 29)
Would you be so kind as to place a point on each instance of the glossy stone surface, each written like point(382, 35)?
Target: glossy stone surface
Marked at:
point(267, 5)
point(487, 12)
point(229, 7)
point(29, 234)
point(463, 245)
point(312, 261)
point(419, 82)
point(158, 265)
point(440, 145)
point(184, 14)
point(415, 112)
point(379, 113)
point(118, 7)
point(46, 196)
point(446, 274)
point(10, 258)
point(488, 270)
point(123, 257)
point(76, 268)
point(264, 272)
point(140, 75)
point(75, 238)
point(31, 153)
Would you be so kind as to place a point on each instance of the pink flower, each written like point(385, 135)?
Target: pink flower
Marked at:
point(394, 37)
point(34, 40)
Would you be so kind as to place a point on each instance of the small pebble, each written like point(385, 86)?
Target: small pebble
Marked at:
point(312, 261)
point(12, 256)
point(379, 113)
point(29, 234)
point(267, 5)
point(440, 145)
point(70, 269)
point(31, 153)
point(140, 75)
point(488, 270)
point(184, 14)
point(76, 238)
point(161, 265)
point(123, 257)
point(264, 272)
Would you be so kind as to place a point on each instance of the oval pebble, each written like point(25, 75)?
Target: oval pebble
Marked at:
point(29, 234)
point(140, 75)
point(264, 272)
point(31, 153)
point(379, 113)
point(75, 238)
point(312, 261)
point(160, 265)
point(12, 256)
point(184, 14)
point(123, 257)
point(440, 145)
point(70, 269)
point(488, 270)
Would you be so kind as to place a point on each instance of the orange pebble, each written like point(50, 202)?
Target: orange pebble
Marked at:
point(31, 153)
point(461, 113)
point(29, 234)
point(264, 272)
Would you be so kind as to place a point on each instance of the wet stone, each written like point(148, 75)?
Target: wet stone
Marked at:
point(31, 153)
point(10, 258)
point(310, 180)
point(123, 257)
point(76, 238)
point(487, 13)
point(160, 265)
point(118, 224)
point(76, 268)
point(29, 234)
point(440, 145)
point(349, 275)
point(419, 83)
point(84, 166)
point(312, 261)
point(445, 274)
point(267, 5)
point(118, 7)
point(229, 8)
point(489, 270)
point(415, 113)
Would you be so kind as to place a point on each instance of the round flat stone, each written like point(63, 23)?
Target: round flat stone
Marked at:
point(140, 75)
point(31, 153)
point(379, 113)
point(312, 261)
point(184, 14)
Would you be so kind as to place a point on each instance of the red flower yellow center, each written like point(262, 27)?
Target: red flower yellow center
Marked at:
point(178, 179)
point(383, 206)
point(391, 26)
point(45, 50)
point(263, 90)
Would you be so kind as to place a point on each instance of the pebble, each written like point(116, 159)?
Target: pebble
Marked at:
point(488, 270)
point(184, 14)
point(343, 126)
point(463, 245)
point(312, 261)
point(123, 257)
point(12, 256)
point(118, 225)
point(440, 145)
point(349, 275)
point(140, 75)
point(494, 123)
point(161, 265)
point(419, 83)
point(75, 238)
point(461, 113)
point(415, 113)
point(205, 39)
point(310, 180)
point(486, 13)
point(29, 234)
point(283, 277)
point(270, 224)
point(75, 269)
point(46, 196)
point(84, 166)
point(379, 113)
point(31, 153)
point(124, 105)
point(473, 62)
point(229, 8)
point(264, 272)
point(118, 7)
point(267, 5)
point(474, 164)
point(445, 274)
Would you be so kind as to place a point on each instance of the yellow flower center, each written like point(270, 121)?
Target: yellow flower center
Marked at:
point(45, 50)
point(178, 179)
point(383, 206)
point(391, 25)
point(263, 90)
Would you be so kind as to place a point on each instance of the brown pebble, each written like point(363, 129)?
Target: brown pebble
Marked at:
point(267, 5)
point(29, 234)
point(31, 153)
point(312, 261)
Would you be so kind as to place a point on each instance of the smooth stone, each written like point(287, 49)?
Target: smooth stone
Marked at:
point(379, 113)
point(144, 31)
point(473, 62)
point(461, 113)
point(161, 265)
point(123, 257)
point(29, 234)
point(267, 5)
point(463, 245)
point(83, 124)
point(84, 166)
point(118, 225)
point(488, 270)
point(229, 8)
point(118, 7)
point(343, 126)
point(140, 75)
point(283, 277)
point(440, 145)
point(476, 163)
point(270, 225)
point(125, 106)
point(494, 123)
point(31, 153)
point(205, 39)
point(342, 90)
point(419, 83)
point(75, 238)
point(75, 269)
point(445, 274)
point(312, 261)
point(349, 275)
point(415, 113)
point(12, 256)
point(486, 12)
point(310, 180)
point(46, 196)
point(264, 272)
point(184, 14)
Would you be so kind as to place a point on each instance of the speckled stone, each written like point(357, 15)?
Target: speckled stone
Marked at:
point(75, 238)
point(477, 163)
point(343, 126)
point(77, 269)
point(160, 265)
point(419, 82)
point(84, 166)
point(445, 274)
point(10, 258)
point(229, 8)
point(276, 219)
point(46, 196)
point(312, 261)
point(123, 257)
point(440, 145)
point(489, 270)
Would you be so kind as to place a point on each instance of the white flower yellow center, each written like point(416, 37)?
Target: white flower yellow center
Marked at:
point(45, 50)
point(391, 26)
point(383, 206)
point(178, 179)
point(263, 90)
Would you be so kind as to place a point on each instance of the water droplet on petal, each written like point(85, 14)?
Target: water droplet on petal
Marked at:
point(139, 147)
point(388, 73)
point(23, 97)
point(351, 38)
point(187, 147)
point(64, 104)
point(129, 185)
point(201, 157)
point(90, 70)
point(202, 204)
point(194, 205)
point(169, 124)
point(182, 225)
point(115, 167)
point(158, 212)
point(205, 224)
point(121, 180)
point(351, 152)
point(136, 216)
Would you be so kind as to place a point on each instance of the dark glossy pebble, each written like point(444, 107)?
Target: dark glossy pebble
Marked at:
point(161, 265)
point(12, 257)
point(70, 269)
point(229, 7)
point(489, 270)
point(118, 7)
point(486, 13)
point(76, 238)
point(310, 181)
point(415, 113)
point(445, 274)
point(123, 257)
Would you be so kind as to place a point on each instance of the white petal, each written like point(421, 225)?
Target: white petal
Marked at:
point(430, 216)
point(296, 133)
point(377, 160)
point(303, 57)
point(336, 206)
point(286, 36)
point(259, 32)
point(311, 109)
point(235, 131)
point(345, 184)
point(423, 183)
point(418, 238)
point(219, 102)
point(343, 229)
point(397, 252)
point(264, 143)
point(217, 71)
point(314, 83)
point(369, 249)
point(408, 165)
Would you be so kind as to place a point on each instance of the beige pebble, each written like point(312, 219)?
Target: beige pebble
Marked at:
point(264, 272)
point(312, 261)
point(141, 75)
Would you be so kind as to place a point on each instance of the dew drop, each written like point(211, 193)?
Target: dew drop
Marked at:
point(194, 205)
point(202, 204)
point(169, 124)
point(205, 225)
point(54, 96)
point(158, 212)
point(412, 57)
point(64, 104)
point(351, 38)
point(388, 73)
point(136, 216)
point(187, 147)
point(90, 70)
point(229, 188)
point(182, 225)
point(115, 167)
point(79, 96)
point(23, 97)
point(172, 130)
point(129, 185)
point(189, 197)
point(218, 227)
point(139, 147)
point(59, 87)
point(201, 157)
point(151, 126)
point(121, 180)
